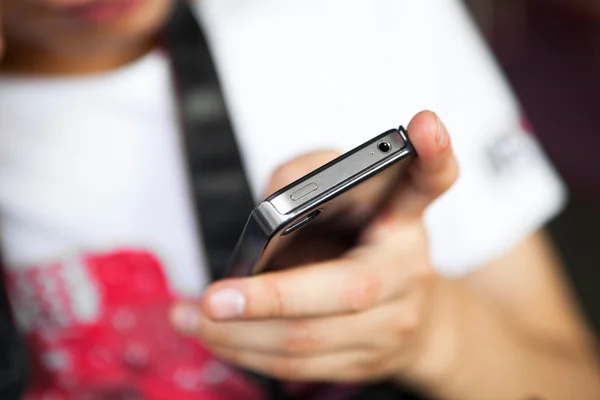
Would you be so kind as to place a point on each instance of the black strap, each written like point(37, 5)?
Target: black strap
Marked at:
point(222, 196)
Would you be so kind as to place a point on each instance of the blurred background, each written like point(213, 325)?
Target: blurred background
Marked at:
point(550, 51)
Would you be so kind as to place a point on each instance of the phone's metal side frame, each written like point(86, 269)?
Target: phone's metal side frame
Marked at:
point(265, 221)
point(251, 244)
point(269, 219)
point(272, 221)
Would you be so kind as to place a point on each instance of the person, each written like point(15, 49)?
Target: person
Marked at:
point(456, 290)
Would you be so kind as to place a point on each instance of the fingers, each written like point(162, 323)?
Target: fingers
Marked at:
point(434, 171)
point(297, 168)
point(321, 289)
point(302, 338)
point(344, 285)
point(352, 366)
point(285, 337)
point(351, 347)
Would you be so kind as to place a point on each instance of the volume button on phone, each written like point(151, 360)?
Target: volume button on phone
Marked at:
point(304, 191)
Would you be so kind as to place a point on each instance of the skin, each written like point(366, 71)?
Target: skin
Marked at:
point(510, 330)
point(381, 311)
point(42, 37)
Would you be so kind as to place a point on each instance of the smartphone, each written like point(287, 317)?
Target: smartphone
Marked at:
point(332, 203)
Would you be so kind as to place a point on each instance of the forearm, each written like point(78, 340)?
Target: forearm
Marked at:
point(476, 351)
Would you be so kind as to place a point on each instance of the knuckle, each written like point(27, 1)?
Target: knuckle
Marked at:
point(275, 299)
point(454, 168)
point(406, 324)
point(451, 180)
point(362, 292)
point(449, 175)
point(301, 338)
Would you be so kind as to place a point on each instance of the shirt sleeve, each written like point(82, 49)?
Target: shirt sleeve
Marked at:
point(507, 188)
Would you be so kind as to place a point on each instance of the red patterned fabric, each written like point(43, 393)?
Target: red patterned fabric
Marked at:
point(97, 328)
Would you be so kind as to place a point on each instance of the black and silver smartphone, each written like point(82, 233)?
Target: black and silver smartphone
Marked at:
point(335, 201)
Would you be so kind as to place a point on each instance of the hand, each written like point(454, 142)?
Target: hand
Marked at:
point(366, 315)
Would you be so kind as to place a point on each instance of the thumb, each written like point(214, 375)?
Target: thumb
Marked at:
point(434, 171)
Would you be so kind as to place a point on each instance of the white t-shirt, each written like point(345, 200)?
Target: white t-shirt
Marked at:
point(93, 164)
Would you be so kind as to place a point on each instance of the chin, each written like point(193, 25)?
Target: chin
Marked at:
point(134, 28)
point(85, 38)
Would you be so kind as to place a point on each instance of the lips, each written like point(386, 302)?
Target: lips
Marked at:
point(102, 11)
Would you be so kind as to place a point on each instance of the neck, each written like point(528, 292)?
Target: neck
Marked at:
point(27, 60)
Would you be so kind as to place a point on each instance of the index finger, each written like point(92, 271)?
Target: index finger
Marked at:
point(339, 286)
